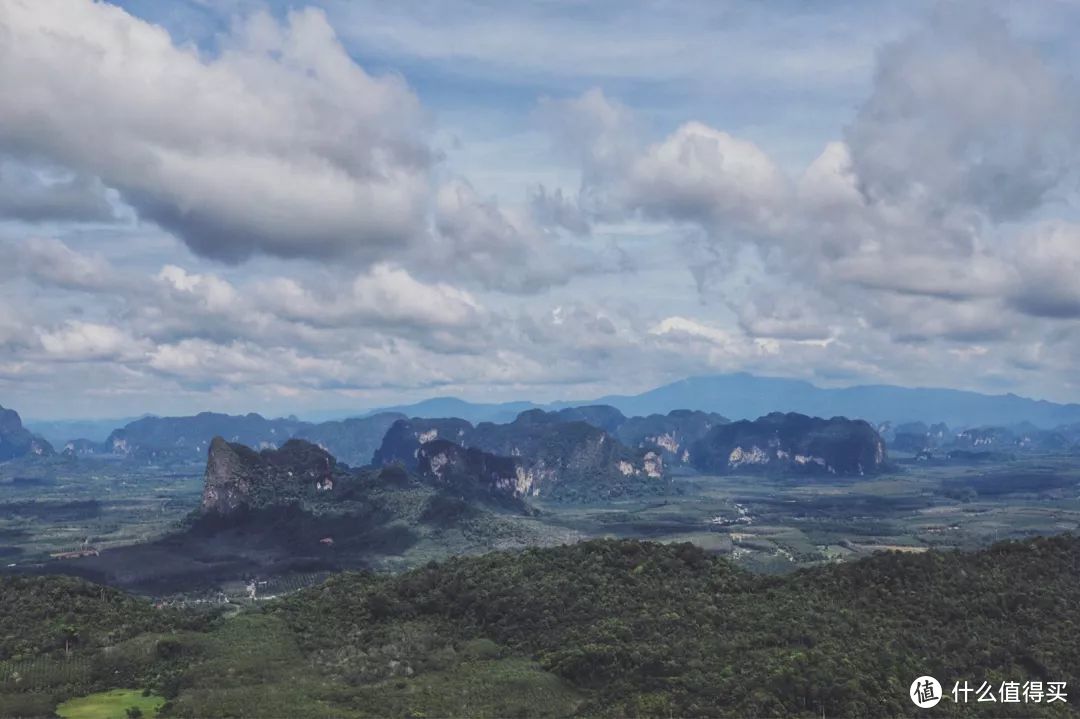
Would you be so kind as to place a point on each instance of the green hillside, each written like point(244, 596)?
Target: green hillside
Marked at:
point(602, 628)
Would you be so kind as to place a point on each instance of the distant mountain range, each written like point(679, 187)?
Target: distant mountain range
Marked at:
point(747, 396)
point(59, 431)
point(474, 412)
point(169, 439)
point(666, 419)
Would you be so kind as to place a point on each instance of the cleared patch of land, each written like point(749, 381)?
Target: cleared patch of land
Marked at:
point(112, 704)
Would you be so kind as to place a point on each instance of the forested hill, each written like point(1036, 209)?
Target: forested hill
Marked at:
point(602, 628)
point(667, 630)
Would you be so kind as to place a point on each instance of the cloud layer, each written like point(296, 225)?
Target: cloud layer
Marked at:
point(263, 220)
point(279, 144)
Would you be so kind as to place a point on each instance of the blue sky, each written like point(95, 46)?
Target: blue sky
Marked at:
point(286, 207)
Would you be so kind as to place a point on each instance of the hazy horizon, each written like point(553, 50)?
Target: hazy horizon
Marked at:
point(331, 413)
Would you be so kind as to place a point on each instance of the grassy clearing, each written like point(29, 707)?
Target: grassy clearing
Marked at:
point(111, 705)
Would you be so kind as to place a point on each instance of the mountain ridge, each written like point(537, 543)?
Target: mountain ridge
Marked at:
point(732, 396)
point(743, 395)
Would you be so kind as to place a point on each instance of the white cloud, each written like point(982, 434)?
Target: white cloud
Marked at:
point(279, 145)
point(479, 241)
point(681, 326)
point(78, 341)
point(695, 174)
point(901, 253)
point(1047, 262)
point(384, 295)
point(209, 291)
point(965, 127)
point(723, 346)
point(964, 115)
point(702, 174)
point(52, 263)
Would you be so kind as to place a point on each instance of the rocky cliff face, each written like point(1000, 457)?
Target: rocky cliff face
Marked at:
point(671, 435)
point(565, 459)
point(473, 473)
point(918, 438)
point(231, 472)
point(552, 456)
point(402, 442)
point(82, 448)
point(1010, 438)
point(16, 440)
point(237, 477)
point(791, 443)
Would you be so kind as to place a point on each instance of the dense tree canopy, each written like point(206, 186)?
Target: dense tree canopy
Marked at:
point(601, 628)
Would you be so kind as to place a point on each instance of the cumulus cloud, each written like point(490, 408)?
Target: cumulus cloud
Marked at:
point(280, 144)
point(277, 143)
point(52, 263)
point(722, 349)
point(378, 364)
point(900, 253)
point(697, 173)
point(77, 341)
point(687, 328)
point(332, 312)
point(208, 291)
point(965, 131)
point(244, 363)
point(963, 115)
point(385, 295)
point(1047, 262)
point(705, 175)
point(477, 240)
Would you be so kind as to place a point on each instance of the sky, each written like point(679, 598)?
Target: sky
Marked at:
point(291, 208)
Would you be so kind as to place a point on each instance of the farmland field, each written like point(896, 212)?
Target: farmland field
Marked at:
point(769, 524)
